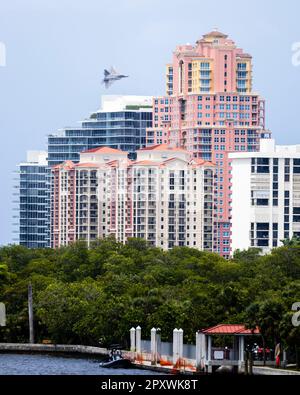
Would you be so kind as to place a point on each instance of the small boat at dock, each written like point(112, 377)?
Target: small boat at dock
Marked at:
point(116, 360)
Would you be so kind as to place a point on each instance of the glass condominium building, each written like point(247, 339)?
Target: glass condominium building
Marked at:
point(120, 123)
point(33, 223)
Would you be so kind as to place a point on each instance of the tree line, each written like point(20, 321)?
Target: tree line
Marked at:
point(95, 295)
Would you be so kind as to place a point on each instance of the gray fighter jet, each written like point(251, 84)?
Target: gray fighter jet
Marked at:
point(111, 76)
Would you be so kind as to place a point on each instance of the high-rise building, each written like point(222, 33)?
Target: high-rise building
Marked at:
point(33, 224)
point(211, 110)
point(120, 123)
point(265, 196)
point(165, 196)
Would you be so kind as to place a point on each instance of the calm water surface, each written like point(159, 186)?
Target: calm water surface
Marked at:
point(17, 364)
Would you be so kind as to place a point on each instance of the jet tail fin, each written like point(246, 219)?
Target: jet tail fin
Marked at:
point(106, 72)
point(113, 71)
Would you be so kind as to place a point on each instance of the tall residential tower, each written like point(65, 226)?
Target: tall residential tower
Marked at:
point(265, 196)
point(120, 124)
point(164, 196)
point(211, 110)
point(33, 213)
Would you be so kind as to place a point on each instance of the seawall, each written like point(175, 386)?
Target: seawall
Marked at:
point(52, 348)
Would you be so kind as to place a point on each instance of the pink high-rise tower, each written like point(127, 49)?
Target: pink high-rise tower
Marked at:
point(211, 110)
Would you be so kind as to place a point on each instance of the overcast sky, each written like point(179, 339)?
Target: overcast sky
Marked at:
point(56, 51)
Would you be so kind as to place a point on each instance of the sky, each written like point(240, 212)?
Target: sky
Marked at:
point(56, 51)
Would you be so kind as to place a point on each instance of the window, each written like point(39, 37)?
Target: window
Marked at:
point(262, 202)
point(262, 226)
point(296, 169)
point(263, 169)
point(263, 243)
point(263, 161)
point(204, 65)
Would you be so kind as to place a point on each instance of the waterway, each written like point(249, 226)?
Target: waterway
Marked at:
point(45, 364)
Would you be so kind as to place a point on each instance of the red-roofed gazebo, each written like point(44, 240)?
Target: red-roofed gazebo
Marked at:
point(210, 358)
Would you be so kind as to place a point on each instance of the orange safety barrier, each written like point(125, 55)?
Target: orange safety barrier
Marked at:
point(181, 363)
point(139, 358)
point(189, 366)
point(164, 362)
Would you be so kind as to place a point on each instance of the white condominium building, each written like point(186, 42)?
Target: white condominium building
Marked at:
point(265, 199)
point(165, 196)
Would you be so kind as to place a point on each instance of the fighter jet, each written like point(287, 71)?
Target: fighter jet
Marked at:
point(111, 76)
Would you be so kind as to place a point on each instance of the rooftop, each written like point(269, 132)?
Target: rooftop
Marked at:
point(38, 158)
point(103, 150)
point(230, 329)
point(126, 102)
point(216, 34)
point(163, 147)
point(268, 149)
point(68, 164)
point(217, 38)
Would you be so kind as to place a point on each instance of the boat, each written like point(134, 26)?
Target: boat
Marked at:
point(121, 363)
point(116, 360)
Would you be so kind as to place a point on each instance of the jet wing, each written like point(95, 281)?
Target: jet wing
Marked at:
point(107, 83)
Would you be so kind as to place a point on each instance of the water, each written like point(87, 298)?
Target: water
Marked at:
point(17, 364)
